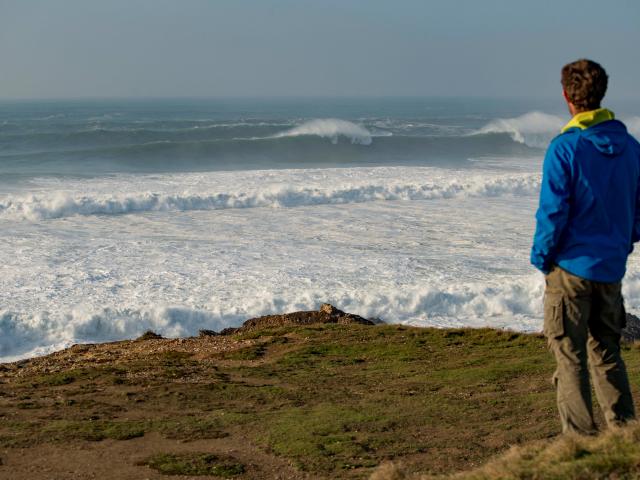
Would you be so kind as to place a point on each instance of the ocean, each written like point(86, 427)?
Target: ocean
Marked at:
point(121, 216)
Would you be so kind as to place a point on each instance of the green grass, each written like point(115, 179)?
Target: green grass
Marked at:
point(195, 464)
point(322, 437)
point(334, 400)
point(57, 379)
point(191, 428)
point(65, 430)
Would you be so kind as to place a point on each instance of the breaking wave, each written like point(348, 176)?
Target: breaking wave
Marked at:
point(534, 129)
point(537, 129)
point(58, 204)
point(286, 151)
point(331, 128)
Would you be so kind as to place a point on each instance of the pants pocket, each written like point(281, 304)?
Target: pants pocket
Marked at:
point(612, 315)
point(553, 315)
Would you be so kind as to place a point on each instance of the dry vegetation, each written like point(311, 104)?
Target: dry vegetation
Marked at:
point(614, 454)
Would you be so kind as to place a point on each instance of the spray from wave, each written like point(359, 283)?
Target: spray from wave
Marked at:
point(534, 129)
point(331, 128)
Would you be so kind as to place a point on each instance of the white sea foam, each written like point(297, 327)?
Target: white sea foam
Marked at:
point(89, 278)
point(534, 129)
point(56, 204)
point(29, 335)
point(512, 303)
point(331, 128)
point(459, 259)
point(426, 305)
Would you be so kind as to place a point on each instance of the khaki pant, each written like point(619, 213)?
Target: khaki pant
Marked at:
point(582, 323)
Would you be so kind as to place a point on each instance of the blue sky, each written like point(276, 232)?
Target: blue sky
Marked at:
point(124, 48)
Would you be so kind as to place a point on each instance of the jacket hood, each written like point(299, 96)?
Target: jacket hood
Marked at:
point(608, 136)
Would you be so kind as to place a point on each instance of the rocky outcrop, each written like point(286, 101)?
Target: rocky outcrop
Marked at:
point(327, 314)
point(631, 332)
point(207, 333)
point(149, 335)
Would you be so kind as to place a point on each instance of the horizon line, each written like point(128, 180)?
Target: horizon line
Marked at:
point(151, 98)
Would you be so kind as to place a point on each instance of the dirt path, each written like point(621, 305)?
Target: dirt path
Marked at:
point(113, 459)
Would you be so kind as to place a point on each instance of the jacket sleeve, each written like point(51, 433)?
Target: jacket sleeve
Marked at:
point(635, 234)
point(553, 209)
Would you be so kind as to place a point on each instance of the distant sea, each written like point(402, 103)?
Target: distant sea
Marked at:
point(120, 216)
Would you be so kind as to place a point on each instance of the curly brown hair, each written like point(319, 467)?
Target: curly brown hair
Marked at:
point(585, 83)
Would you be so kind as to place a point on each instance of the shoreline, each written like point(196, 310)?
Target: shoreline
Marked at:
point(326, 314)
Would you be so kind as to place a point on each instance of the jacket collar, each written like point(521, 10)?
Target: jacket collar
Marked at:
point(588, 119)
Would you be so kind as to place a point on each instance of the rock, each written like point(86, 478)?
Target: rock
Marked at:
point(631, 332)
point(81, 347)
point(229, 330)
point(207, 333)
point(327, 314)
point(149, 335)
point(22, 363)
point(330, 309)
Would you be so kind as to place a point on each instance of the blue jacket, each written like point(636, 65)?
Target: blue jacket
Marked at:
point(589, 212)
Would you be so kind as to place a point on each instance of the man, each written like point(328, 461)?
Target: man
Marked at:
point(587, 221)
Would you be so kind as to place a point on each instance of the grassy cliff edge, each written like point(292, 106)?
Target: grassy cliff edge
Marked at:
point(327, 400)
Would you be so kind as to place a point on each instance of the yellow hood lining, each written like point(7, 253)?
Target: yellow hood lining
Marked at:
point(588, 119)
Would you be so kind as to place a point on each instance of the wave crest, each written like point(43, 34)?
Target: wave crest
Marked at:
point(59, 205)
point(534, 129)
point(331, 128)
